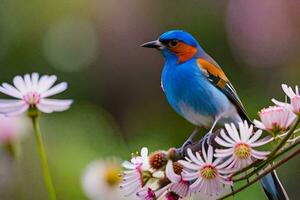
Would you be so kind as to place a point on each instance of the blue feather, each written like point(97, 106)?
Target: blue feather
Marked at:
point(185, 84)
point(273, 188)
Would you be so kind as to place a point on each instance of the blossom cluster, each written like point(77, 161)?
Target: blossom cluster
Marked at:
point(209, 170)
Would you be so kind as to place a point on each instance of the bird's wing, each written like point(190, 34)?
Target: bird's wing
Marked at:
point(217, 77)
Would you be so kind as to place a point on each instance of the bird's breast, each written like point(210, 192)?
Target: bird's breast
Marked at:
point(191, 95)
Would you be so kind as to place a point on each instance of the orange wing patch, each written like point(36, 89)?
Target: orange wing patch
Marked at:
point(183, 51)
point(213, 70)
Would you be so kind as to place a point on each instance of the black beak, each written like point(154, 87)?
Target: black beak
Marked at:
point(153, 44)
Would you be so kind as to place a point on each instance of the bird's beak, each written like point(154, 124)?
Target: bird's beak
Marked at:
point(153, 44)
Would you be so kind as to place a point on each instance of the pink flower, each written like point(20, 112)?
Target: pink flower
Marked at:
point(207, 174)
point(294, 99)
point(275, 119)
point(133, 176)
point(32, 91)
point(177, 185)
point(147, 194)
point(239, 145)
point(12, 129)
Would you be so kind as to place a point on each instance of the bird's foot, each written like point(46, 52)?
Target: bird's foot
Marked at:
point(206, 139)
point(183, 148)
point(188, 142)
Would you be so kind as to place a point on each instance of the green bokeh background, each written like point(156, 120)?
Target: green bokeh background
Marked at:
point(119, 106)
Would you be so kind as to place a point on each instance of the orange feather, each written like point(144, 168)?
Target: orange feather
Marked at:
point(213, 70)
point(183, 51)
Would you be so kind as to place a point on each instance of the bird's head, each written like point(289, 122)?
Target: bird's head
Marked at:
point(176, 45)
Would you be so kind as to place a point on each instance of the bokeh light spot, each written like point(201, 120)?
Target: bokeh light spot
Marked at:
point(71, 44)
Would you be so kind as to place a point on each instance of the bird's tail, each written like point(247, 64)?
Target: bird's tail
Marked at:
point(273, 188)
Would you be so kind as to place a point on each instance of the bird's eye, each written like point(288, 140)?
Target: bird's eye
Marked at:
point(173, 43)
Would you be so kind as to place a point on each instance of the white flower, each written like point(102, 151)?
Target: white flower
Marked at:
point(133, 176)
point(12, 129)
point(275, 119)
point(177, 185)
point(101, 180)
point(294, 99)
point(239, 145)
point(33, 91)
point(208, 175)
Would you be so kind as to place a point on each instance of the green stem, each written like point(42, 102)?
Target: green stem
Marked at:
point(290, 156)
point(44, 162)
point(297, 130)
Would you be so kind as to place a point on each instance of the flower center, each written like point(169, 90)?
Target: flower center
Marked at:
point(112, 176)
point(208, 172)
point(32, 98)
point(177, 167)
point(157, 160)
point(242, 151)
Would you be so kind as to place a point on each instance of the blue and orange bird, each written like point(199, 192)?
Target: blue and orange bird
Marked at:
point(197, 89)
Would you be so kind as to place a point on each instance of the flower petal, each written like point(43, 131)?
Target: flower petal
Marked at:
point(11, 91)
point(17, 111)
point(193, 158)
point(172, 176)
point(189, 165)
point(51, 105)
point(55, 90)
point(46, 82)
point(27, 81)
point(222, 142)
point(20, 84)
point(259, 124)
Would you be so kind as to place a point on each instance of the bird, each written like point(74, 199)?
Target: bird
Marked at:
point(198, 89)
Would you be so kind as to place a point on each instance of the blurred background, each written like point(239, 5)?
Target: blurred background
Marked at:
point(119, 105)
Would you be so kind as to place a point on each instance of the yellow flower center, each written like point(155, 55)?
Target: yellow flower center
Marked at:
point(112, 176)
point(242, 151)
point(208, 172)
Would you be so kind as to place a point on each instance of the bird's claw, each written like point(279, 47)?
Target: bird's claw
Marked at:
point(182, 149)
point(206, 139)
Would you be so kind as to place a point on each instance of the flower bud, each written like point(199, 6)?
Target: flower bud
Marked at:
point(158, 159)
point(177, 167)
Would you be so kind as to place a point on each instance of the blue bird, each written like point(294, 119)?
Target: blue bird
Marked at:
point(197, 89)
